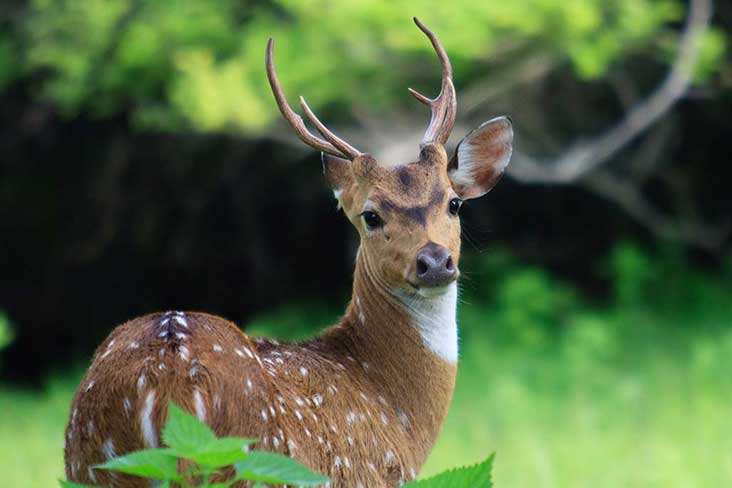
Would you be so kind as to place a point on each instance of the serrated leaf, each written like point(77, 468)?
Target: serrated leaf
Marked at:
point(69, 484)
point(185, 433)
point(269, 467)
point(149, 463)
point(217, 453)
point(476, 476)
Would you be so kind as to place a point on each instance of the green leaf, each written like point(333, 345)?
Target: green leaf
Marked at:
point(476, 476)
point(217, 453)
point(185, 433)
point(69, 484)
point(149, 463)
point(268, 467)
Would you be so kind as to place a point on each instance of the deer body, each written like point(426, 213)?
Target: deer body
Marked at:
point(362, 403)
point(373, 406)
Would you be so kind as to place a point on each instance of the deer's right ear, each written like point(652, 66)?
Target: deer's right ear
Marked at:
point(338, 174)
point(481, 158)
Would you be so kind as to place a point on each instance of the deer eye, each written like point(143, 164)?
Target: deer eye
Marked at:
point(455, 205)
point(372, 220)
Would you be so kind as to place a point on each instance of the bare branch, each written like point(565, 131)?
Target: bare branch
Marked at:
point(583, 157)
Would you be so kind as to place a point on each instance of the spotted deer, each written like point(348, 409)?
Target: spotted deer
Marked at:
point(364, 401)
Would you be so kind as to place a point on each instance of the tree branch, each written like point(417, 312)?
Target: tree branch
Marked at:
point(583, 157)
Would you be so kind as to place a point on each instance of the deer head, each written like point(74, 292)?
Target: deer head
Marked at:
point(407, 213)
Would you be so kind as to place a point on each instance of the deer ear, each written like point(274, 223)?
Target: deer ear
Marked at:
point(481, 158)
point(338, 174)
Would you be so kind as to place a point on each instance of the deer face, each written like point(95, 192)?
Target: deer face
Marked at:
point(407, 215)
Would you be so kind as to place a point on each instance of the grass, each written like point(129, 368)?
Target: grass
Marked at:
point(632, 393)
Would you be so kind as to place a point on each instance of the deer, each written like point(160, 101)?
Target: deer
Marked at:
point(364, 401)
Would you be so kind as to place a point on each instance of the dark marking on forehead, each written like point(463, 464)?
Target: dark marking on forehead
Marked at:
point(416, 213)
point(405, 177)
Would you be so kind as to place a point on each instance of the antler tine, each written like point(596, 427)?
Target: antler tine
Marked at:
point(297, 122)
point(339, 143)
point(444, 107)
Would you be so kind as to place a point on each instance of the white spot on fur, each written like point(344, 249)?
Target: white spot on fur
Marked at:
point(184, 354)
point(404, 419)
point(92, 476)
point(127, 405)
point(90, 386)
point(146, 421)
point(217, 348)
point(200, 406)
point(389, 456)
point(434, 317)
point(133, 345)
point(180, 319)
point(303, 371)
point(108, 449)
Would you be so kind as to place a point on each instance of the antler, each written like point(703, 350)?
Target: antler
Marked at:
point(333, 145)
point(444, 107)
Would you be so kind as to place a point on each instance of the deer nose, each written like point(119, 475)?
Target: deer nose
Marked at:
point(435, 266)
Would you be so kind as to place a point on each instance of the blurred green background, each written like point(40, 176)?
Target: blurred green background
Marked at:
point(143, 167)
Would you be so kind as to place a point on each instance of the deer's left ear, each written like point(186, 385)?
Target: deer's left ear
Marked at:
point(481, 158)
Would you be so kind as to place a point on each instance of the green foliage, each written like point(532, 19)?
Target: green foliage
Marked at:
point(269, 467)
point(150, 463)
point(189, 439)
point(8, 61)
point(477, 476)
point(6, 331)
point(199, 64)
point(68, 484)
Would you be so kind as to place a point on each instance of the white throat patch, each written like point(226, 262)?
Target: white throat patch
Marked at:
point(435, 319)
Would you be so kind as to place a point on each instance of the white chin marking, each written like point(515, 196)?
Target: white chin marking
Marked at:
point(434, 316)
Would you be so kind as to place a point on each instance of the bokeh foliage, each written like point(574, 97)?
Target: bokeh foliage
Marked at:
point(193, 64)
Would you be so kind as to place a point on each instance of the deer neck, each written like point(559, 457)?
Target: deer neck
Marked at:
point(406, 347)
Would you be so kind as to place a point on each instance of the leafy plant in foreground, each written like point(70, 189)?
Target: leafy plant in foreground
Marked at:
point(189, 439)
